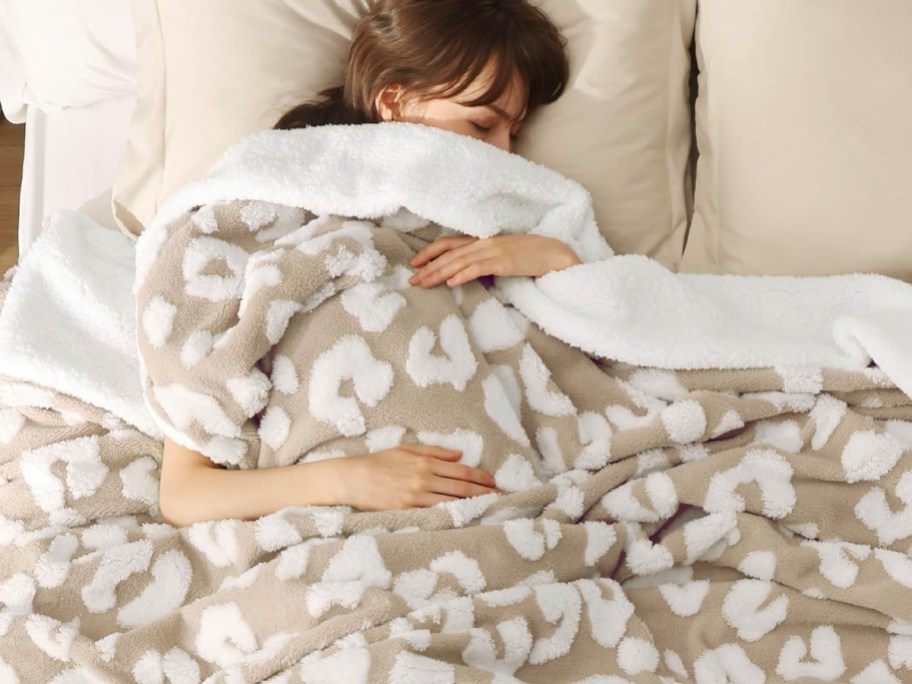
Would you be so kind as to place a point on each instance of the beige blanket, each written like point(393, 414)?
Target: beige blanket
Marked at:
point(706, 525)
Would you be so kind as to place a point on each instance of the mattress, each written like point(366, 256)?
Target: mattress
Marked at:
point(71, 156)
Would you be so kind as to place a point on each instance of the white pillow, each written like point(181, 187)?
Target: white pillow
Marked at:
point(71, 52)
point(804, 124)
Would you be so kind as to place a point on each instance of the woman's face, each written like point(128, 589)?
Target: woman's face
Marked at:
point(497, 124)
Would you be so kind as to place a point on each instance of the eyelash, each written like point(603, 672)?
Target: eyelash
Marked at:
point(480, 128)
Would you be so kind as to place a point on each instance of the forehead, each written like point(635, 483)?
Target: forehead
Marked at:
point(513, 100)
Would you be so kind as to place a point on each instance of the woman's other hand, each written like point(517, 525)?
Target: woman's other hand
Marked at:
point(457, 260)
point(410, 476)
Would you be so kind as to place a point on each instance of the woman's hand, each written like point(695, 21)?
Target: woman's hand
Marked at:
point(410, 476)
point(457, 260)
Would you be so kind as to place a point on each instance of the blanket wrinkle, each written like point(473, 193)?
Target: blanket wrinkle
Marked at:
point(656, 525)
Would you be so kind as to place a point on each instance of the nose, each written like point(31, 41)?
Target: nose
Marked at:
point(503, 140)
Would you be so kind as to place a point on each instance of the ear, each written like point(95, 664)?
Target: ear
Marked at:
point(389, 102)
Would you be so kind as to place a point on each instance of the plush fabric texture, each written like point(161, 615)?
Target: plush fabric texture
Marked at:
point(804, 125)
point(622, 129)
point(68, 321)
point(702, 526)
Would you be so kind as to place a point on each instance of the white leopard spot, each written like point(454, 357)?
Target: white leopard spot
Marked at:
point(200, 253)
point(275, 427)
point(527, 541)
point(506, 376)
point(727, 663)
point(637, 655)
point(349, 359)
point(85, 472)
point(826, 652)
point(499, 408)
point(783, 435)
point(659, 383)
point(772, 474)
point(869, 456)
point(250, 393)
point(515, 475)
point(204, 219)
point(759, 565)
point(492, 329)
point(410, 667)
point(482, 653)
point(684, 421)
point(838, 560)
point(685, 600)
point(595, 439)
point(877, 514)
point(827, 415)
point(600, 537)
point(456, 367)
point(196, 348)
point(875, 673)
point(158, 321)
point(53, 566)
point(702, 534)
point(348, 666)
point(277, 318)
point(801, 379)
point(217, 540)
point(742, 609)
point(284, 376)
point(139, 481)
point(536, 378)
point(384, 438)
point(175, 667)
point(373, 304)
point(357, 567)
point(258, 215)
point(730, 422)
point(147, 255)
point(52, 636)
point(607, 617)
point(171, 575)
point(224, 637)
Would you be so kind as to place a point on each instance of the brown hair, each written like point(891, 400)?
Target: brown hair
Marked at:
point(438, 48)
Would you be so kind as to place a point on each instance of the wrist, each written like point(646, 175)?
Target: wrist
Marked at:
point(326, 483)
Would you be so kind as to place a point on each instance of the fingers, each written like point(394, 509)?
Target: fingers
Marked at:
point(460, 471)
point(487, 267)
point(438, 247)
point(458, 488)
point(451, 263)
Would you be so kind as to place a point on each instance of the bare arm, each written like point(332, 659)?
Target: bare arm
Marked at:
point(194, 489)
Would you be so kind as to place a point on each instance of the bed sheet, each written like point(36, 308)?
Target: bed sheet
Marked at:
point(71, 158)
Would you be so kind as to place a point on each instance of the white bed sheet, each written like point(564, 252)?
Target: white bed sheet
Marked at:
point(71, 158)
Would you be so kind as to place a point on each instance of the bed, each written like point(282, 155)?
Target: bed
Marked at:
point(717, 490)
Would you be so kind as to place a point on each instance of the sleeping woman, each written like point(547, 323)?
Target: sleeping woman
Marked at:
point(478, 68)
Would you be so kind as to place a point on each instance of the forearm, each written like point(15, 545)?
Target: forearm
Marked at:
point(217, 494)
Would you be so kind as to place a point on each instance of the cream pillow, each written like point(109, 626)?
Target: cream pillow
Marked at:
point(804, 125)
point(211, 72)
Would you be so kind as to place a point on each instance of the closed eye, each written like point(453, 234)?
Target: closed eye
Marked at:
point(480, 128)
